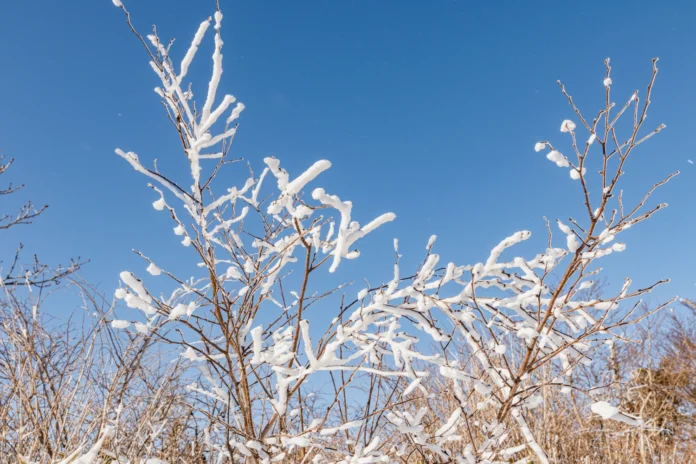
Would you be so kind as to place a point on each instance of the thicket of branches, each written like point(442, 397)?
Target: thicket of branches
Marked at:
point(509, 359)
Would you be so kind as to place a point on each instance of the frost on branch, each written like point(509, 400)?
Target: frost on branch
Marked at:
point(607, 411)
point(492, 336)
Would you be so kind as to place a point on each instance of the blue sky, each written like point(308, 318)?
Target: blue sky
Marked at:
point(427, 109)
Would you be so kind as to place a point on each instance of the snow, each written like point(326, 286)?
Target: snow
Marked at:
point(255, 445)
point(412, 386)
point(190, 308)
point(564, 228)
point(431, 242)
point(136, 302)
point(119, 324)
point(142, 328)
point(310, 174)
point(178, 311)
point(592, 138)
point(607, 82)
point(193, 48)
point(233, 273)
point(236, 112)
point(558, 158)
point(159, 204)
point(154, 270)
point(215, 115)
point(136, 285)
point(482, 388)
point(618, 247)
point(573, 243)
point(608, 238)
point(450, 426)
point(218, 19)
point(90, 457)
point(257, 344)
point(280, 174)
point(606, 305)
point(348, 231)
point(346, 426)
point(426, 271)
point(607, 411)
point(117, 3)
point(575, 174)
point(539, 146)
point(567, 126)
point(527, 333)
point(506, 243)
point(301, 442)
point(217, 71)
point(377, 222)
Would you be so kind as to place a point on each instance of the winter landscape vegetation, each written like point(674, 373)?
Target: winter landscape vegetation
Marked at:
point(262, 316)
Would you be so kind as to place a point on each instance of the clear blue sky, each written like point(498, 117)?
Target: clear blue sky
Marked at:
point(427, 109)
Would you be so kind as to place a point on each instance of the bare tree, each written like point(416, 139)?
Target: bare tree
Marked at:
point(36, 274)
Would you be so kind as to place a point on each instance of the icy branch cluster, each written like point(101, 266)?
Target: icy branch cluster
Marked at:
point(241, 321)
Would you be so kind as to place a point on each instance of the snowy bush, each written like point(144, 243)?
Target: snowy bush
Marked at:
point(267, 384)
